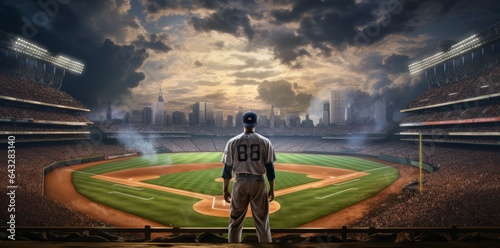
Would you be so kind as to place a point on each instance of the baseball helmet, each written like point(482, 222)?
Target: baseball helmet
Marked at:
point(249, 119)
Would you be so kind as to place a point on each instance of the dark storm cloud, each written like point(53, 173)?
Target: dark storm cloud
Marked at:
point(361, 101)
point(303, 6)
point(330, 25)
point(111, 71)
point(155, 6)
point(329, 22)
point(79, 30)
point(197, 63)
point(381, 82)
point(167, 7)
point(154, 42)
point(226, 20)
point(10, 18)
point(288, 48)
point(281, 94)
point(399, 95)
point(402, 95)
point(219, 44)
point(444, 45)
point(396, 63)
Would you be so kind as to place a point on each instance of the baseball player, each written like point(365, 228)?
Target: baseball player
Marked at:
point(249, 155)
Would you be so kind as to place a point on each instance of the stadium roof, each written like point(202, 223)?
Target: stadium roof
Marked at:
point(33, 50)
point(485, 36)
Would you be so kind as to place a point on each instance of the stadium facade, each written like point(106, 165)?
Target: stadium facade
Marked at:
point(462, 104)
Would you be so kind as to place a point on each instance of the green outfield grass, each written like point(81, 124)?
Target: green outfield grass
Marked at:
point(198, 181)
point(172, 209)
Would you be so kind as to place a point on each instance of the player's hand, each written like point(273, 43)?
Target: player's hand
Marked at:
point(270, 195)
point(227, 196)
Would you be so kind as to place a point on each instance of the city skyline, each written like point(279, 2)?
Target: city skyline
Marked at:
point(256, 54)
point(206, 114)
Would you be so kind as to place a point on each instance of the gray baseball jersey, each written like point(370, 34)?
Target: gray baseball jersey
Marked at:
point(249, 153)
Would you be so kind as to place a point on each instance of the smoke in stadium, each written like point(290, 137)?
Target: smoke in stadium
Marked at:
point(136, 141)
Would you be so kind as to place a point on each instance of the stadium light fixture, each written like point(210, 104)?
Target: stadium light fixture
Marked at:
point(30, 49)
point(459, 48)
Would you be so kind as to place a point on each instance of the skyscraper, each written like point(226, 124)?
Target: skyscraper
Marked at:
point(293, 120)
point(147, 115)
point(239, 117)
point(272, 120)
point(209, 114)
point(348, 114)
point(326, 114)
point(159, 110)
point(203, 113)
point(199, 113)
point(179, 118)
point(337, 107)
point(219, 118)
point(230, 121)
point(135, 117)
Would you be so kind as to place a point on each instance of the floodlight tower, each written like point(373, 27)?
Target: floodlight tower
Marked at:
point(38, 53)
point(462, 48)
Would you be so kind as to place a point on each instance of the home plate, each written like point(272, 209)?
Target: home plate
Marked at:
point(219, 204)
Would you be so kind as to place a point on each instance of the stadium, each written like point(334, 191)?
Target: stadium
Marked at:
point(78, 180)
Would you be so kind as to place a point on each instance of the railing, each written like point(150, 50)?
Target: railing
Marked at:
point(343, 231)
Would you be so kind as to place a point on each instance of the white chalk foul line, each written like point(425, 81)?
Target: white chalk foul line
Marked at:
point(128, 187)
point(142, 198)
point(223, 203)
point(337, 184)
point(321, 198)
point(92, 174)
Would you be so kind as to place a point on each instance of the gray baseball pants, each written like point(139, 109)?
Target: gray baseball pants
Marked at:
point(249, 189)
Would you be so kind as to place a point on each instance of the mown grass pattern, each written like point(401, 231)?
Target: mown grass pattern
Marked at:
point(172, 209)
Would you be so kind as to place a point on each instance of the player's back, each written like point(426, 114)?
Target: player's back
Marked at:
point(249, 152)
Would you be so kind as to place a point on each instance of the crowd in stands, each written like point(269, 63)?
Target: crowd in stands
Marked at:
point(231, 131)
point(456, 114)
point(50, 137)
point(445, 129)
point(485, 84)
point(463, 192)
point(33, 209)
point(42, 128)
point(8, 112)
point(462, 140)
point(23, 89)
point(285, 144)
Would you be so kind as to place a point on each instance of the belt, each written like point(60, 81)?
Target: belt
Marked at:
point(246, 174)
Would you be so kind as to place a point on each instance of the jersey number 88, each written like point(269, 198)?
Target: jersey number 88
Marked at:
point(243, 152)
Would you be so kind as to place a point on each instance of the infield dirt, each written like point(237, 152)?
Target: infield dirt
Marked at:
point(59, 186)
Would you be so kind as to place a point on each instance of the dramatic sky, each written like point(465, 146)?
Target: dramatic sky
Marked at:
point(248, 53)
